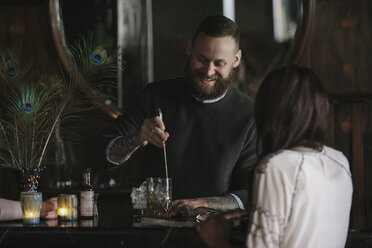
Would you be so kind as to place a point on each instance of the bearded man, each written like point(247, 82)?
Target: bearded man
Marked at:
point(207, 125)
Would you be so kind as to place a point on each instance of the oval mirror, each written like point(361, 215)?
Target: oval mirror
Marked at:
point(152, 36)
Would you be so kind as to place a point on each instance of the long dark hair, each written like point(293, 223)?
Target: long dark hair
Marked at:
point(291, 109)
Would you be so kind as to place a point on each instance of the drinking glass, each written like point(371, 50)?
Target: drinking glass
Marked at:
point(139, 201)
point(31, 206)
point(67, 207)
point(159, 196)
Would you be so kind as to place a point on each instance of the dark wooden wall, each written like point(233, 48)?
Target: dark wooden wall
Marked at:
point(339, 51)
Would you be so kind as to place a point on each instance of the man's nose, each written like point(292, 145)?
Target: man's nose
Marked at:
point(209, 69)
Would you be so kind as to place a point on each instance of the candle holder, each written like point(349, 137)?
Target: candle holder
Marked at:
point(31, 206)
point(67, 207)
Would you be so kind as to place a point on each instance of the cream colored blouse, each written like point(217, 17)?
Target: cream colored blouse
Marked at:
point(301, 199)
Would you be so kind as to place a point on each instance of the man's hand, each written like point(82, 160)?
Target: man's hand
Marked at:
point(152, 131)
point(49, 222)
point(215, 231)
point(185, 207)
point(235, 216)
point(49, 209)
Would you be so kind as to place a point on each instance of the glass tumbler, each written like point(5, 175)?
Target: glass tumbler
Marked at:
point(31, 206)
point(159, 196)
point(67, 207)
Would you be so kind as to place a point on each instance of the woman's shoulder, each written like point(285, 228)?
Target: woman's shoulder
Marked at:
point(335, 154)
point(337, 157)
point(286, 160)
point(279, 161)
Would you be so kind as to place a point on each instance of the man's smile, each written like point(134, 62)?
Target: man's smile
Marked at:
point(210, 81)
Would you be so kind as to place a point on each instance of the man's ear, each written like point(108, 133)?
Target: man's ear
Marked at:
point(189, 48)
point(237, 58)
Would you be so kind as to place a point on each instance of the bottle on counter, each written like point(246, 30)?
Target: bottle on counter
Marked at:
point(86, 197)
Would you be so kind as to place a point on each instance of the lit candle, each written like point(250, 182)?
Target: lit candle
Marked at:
point(31, 205)
point(67, 207)
point(30, 215)
point(63, 211)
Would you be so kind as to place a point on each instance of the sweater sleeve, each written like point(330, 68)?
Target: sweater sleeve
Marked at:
point(125, 125)
point(242, 177)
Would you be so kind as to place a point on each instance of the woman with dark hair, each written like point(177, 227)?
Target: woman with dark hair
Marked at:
point(291, 110)
point(302, 189)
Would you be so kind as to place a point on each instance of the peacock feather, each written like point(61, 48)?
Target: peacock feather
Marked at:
point(31, 109)
point(11, 68)
point(97, 63)
point(99, 56)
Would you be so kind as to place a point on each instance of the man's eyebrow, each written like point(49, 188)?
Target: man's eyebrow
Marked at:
point(201, 56)
point(216, 60)
point(220, 61)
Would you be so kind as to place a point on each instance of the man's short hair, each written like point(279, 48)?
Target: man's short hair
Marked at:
point(218, 26)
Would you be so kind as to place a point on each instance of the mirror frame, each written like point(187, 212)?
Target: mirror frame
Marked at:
point(67, 62)
point(295, 57)
point(303, 36)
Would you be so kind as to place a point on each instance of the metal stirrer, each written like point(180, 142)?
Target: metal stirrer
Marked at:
point(167, 205)
point(164, 149)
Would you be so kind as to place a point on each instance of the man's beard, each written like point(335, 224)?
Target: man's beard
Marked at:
point(204, 92)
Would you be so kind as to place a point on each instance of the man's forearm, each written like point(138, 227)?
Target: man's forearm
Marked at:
point(121, 150)
point(222, 203)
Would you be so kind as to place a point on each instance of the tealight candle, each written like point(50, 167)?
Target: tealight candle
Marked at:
point(31, 206)
point(67, 207)
point(30, 215)
point(62, 211)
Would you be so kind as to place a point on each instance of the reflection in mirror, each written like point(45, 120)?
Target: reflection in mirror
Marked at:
point(98, 63)
point(95, 29)
point(268, 30)
point(123, 22)
point(153, 35)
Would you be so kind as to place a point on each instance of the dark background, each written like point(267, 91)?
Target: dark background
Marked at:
point(339, 51)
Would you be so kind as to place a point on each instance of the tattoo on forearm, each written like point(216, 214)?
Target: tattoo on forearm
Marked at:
point(122, 149)
point(222, 203)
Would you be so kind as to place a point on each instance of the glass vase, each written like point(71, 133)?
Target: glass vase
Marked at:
point(28, 179)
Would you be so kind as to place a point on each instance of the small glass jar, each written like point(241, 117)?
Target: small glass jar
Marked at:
point(67, 207)
point(31, 206)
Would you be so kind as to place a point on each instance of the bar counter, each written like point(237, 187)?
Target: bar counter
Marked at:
point(115, 227)
point(98, 237)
